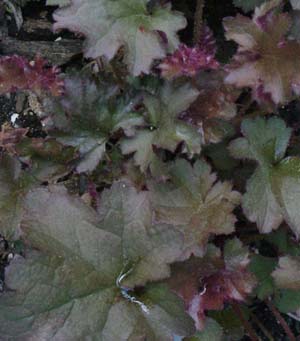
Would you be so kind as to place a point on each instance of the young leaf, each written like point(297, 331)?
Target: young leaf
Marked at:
point(274, 188)
point(110, 25)
point(187, 61)
point(191, 200)
point(87, 115)
point(17, 73)
point(266, 61)
point(166, 130)
point(95, 271)
point(209, 282)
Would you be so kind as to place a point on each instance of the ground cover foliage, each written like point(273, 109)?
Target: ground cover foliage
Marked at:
point(159, 196)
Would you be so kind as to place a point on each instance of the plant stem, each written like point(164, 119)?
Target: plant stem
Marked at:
point(261, 326)
point(281, 320)
point(198, 20)
point(245, 322)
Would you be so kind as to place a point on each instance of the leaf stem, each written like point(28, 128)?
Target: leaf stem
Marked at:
point(238, 311)
point(261, 326)
point(281, 320)
point(198, 20)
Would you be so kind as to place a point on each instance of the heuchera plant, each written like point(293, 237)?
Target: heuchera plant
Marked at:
point(161, 200)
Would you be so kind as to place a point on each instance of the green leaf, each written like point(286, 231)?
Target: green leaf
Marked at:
point(110, 25)
point(212, 332)
point(265, 141)
point(197, 203)
point(286, 185)
point(47, 159)
point(284, 242)
point(262, 267)
point(88, 115)
point(259, 202)
point(248, 5)
point(273, 190)
point(92, 263)
point(230, 322)
point(166, 130)
point(287, 301)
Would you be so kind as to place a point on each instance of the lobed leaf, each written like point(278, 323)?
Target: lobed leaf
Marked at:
point(92, 263)
point(87, 116)
point(274, 188)
point(191, 199)
point(265, 61)
point(214, 108)
point(208, 283)
point(165, 130)
point(109, 25)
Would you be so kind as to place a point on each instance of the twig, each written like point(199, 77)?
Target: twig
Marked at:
point(56, 52)
point(261, 327)
point(245, 322)
point(198, 20)
point(281, 320)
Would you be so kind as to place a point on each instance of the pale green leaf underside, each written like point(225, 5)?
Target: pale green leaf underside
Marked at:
point(287, 273)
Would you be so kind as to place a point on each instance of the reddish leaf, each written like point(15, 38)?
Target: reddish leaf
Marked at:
point(214, 107)
point(17, 73)
point(187, 61)
point(266, 61)
point(209, 282)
